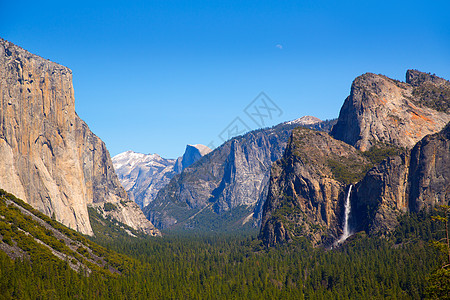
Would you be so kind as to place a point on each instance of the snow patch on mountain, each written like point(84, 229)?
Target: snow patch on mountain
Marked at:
point(305, 120)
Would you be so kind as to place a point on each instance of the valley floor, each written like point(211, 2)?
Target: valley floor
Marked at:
point(238, 266)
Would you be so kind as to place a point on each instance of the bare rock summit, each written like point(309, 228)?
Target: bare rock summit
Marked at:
point(383, 110)
point(48, 156)
point(191, 155)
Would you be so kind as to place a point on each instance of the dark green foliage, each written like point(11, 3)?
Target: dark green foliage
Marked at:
point(347, 171)
point(434, 96)
point(381, 151)
point(55, 224)
point(218, 266)
point(83, 251)
point(109, 229)
point(13, 227)
point(439, 281)
point(109, 206)
point(414, 227)
point(230, 267)
point(28, 233)
point(439, 284)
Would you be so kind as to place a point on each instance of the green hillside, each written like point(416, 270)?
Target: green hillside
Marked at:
point(205, 266)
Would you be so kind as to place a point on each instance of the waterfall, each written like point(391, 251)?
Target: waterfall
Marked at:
point(348, 208)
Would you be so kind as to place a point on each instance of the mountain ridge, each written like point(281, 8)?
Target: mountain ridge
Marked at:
point(308, 187)
point(404, 141)
point(414, 181)
point(383, 110)
point(48, 155)
point(231, 178)
point(143, 175)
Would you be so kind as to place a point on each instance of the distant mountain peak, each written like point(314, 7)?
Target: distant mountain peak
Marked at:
point(201, 148)
point(305, 120)
point(143, 175)
point(131, 158)
point(190, 156)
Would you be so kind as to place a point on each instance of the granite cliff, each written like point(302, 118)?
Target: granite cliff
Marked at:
point(226, 188)
point(143, 175)
point(48, 156)
point(418, 179)
point(384, 110)
point(395, 157)
point(190, 156)
point(308, 186)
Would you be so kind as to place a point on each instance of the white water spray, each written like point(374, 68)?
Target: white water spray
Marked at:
point(348, 208)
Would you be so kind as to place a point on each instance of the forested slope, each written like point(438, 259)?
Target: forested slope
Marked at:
point(221, 266)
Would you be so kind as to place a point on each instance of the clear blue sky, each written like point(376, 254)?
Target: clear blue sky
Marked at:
point(153, 76)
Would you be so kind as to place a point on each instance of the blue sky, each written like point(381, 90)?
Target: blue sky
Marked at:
point(153, 76)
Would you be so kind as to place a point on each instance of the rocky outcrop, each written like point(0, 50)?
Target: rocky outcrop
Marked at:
point(233, 174)
point(307, 188)
point(230, 181)
point(190, 156)
point(416, 180)
point(383, 110)
point(429, 176)
point(143, 175)
point(393, 116)
point(429, 90)
point(48, 155)
point(380, 198)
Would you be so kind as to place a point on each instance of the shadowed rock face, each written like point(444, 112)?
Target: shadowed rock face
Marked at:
point(307, 188)
point(232, 175)
point(429, 179)
point(48, 155)
point(232, 179)
point(380, 198)
point(418, 179)
point(190, 156)
point(380, 109)
point(143, 175)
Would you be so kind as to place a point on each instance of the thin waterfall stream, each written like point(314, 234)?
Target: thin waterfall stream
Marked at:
point(347, 211)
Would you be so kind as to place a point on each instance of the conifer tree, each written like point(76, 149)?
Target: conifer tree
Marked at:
point(439, 281)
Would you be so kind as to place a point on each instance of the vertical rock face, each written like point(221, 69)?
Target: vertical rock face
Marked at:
point(190, 156)
point(229, 184)
point(307, 188)
point(48, 155)
point(232, 175)
point(418, 179)
point(143, 175)
point(429, 179)
point(380, 109)
point(398, 113)
point(380, 197)
point(382, 112)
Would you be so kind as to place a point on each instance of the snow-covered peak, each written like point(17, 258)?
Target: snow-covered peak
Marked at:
point(305, 120)
point(143, 175)
point(131, 159)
